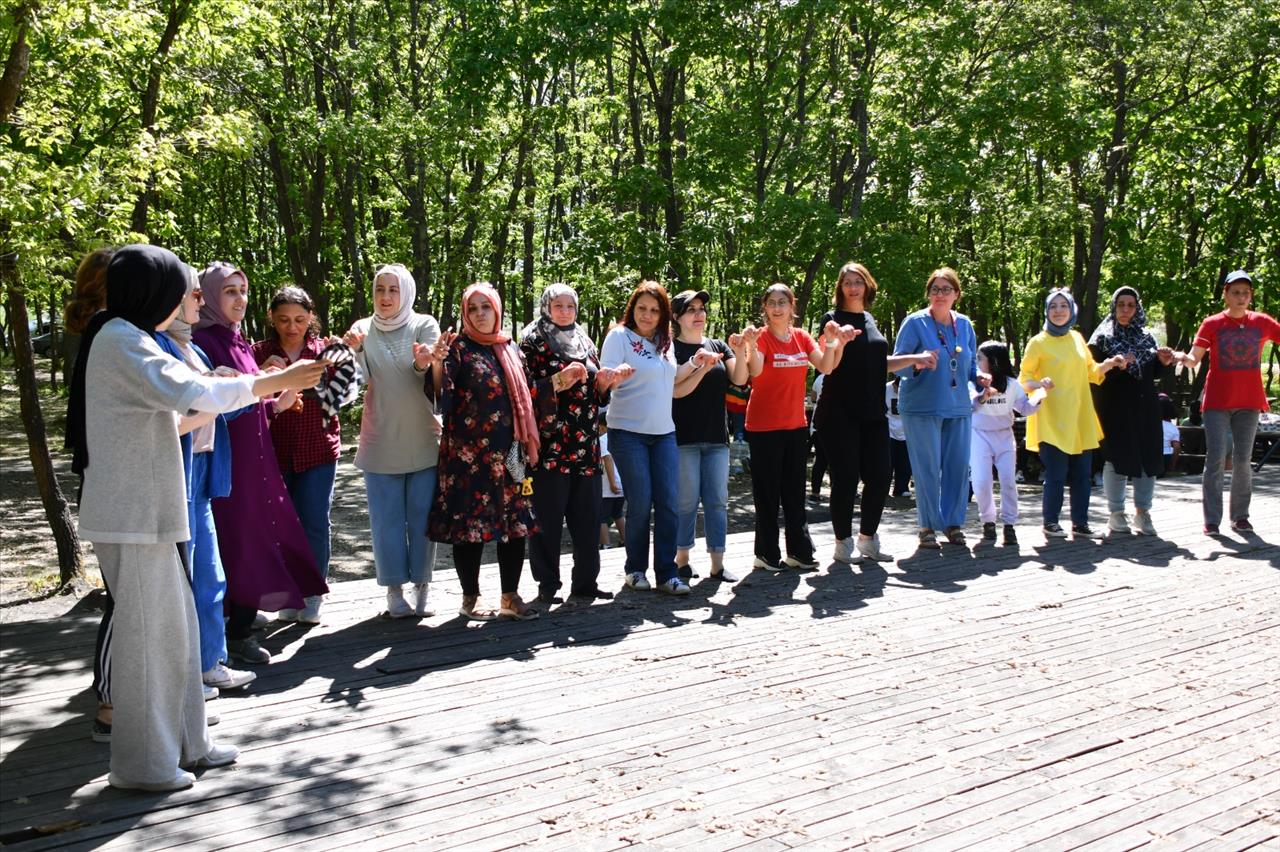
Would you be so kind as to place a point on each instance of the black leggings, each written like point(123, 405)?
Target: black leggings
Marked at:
point(861, 451)
point(466, 559)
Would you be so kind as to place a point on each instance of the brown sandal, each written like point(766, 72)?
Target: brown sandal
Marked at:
point(513, 607)
point(469, 610)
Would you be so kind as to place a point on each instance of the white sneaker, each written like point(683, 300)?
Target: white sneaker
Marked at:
point(772, 567)
point(1142, 523)
point(792, 562)
point(310, 614)
point(287, 615)
point(1118, 523)
point(638, 581)
point(420, 600)
point(180, 781)
point(210, 692)
point(260, 621)
point(211, 719)
point(675, 586)
point(870, 549)
point(397, 606)
point(218, 755)
point(846, 552)
point(221, 677)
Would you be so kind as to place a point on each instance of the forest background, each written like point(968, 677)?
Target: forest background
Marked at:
point(717, 144)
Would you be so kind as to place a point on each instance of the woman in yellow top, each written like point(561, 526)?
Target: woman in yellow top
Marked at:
point(1065, 430)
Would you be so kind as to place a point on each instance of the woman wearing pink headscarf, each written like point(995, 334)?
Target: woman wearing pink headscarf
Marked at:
point(265, 555)
point(488, 423)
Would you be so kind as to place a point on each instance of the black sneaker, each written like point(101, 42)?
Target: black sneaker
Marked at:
point(989, 531)
point(596, 594)
point(549, 596)
point(1010, 534)
point(101, 731)
point(1242, 525)
point(1084, 531)
point(248, 650)
point(685, 572)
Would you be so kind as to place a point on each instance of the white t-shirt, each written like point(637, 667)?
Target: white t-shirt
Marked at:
point(996, 414)
point(606, 486)
point(642, 403)
point(1171, 434)
point(895, 420)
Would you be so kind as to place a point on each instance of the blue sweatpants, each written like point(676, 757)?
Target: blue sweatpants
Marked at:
point(939, 450)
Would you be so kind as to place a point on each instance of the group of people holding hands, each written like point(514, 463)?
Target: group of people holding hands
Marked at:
point(209, 463)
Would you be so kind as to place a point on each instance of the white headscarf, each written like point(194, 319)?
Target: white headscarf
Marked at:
point(408, 294)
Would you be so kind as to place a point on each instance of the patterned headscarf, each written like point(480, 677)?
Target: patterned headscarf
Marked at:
point(526, 423)
point(1132, 339)
point(408, 294)
point(569, 342)
point(1059, 330)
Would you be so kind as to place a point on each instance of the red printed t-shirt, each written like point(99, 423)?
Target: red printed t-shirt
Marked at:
point(777, 394)
point(1235, 359)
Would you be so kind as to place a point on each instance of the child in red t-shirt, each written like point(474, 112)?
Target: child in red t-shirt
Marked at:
point(1233, 396)
point(779, 356)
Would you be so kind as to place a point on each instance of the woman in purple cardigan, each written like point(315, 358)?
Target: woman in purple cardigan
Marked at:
point(264, 550)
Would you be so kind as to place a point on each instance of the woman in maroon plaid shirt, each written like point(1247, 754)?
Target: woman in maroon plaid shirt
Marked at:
point(307, 442)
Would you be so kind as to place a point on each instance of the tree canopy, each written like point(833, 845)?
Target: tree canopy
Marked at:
point(719, 144)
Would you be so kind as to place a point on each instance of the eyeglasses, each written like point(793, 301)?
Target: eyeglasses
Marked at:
point(778, 303)
point(941, 291)
point(694, 311)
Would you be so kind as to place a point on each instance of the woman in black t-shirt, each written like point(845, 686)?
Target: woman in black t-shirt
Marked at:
point(850, 418)
point(701, 434)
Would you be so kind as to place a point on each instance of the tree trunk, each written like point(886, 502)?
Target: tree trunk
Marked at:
point(56, 509)
point(178, 11)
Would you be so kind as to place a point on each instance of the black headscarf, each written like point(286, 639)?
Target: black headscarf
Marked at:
point(1132, 339)
point(144, 285)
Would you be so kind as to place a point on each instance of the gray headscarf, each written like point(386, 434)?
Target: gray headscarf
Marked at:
point(569, 342)
point(1059, 330)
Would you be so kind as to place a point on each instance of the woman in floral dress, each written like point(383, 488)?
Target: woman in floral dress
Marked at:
point(486, 408)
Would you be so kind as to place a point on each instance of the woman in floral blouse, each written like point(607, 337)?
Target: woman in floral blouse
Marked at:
point(486, 408)
point(568, 387)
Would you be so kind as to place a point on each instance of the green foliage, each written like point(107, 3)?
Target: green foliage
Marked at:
point(714, 143)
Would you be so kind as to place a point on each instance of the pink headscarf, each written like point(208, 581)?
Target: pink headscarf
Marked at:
point(211, 283)
point(508, 356)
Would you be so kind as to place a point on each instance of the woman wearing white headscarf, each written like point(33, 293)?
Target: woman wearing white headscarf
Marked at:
point(398, 447)
point(568, 388)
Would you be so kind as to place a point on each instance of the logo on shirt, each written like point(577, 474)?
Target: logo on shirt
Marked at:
point(790, 359)
point(1240, 348)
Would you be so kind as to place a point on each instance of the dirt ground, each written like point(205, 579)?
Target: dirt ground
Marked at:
point(28, 558)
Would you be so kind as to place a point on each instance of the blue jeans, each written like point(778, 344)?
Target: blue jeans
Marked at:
point(939, 451)
point(704, 476)
point(398, 507)
point(312, 495)
point(1059, 470)
point(208, 582)
point(648, 466)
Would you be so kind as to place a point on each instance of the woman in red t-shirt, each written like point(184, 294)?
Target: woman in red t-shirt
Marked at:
point(1233, 396)
point(778, 359)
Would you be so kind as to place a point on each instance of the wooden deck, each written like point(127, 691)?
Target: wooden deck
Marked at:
point(1101, 695)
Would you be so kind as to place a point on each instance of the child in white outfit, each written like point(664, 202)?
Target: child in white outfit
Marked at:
point(992, 442)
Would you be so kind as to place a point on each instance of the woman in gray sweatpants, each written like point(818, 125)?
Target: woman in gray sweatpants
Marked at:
point(126, 396)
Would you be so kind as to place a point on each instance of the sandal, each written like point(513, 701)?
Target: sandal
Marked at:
point(469, 611)
point(513, 607)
